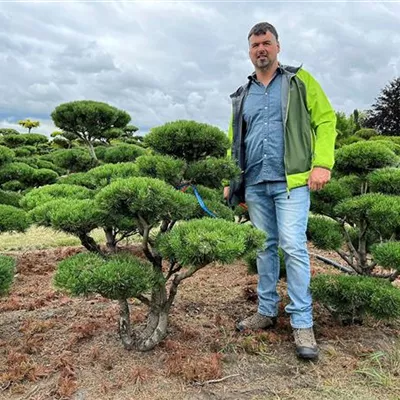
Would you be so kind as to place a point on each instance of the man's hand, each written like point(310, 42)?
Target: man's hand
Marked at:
point(318, 178)
point(226, 193)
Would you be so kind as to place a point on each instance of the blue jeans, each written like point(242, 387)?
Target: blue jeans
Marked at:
point(283, 216)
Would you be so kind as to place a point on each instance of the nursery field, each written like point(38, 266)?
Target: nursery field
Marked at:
point(57, 347)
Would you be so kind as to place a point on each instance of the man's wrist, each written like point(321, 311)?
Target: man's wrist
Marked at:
point(319, 166)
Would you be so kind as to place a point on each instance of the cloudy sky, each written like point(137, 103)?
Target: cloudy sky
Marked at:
point(163, 60)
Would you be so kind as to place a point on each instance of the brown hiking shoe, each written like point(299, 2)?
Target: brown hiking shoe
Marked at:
point(256, 321)
point(306, 346)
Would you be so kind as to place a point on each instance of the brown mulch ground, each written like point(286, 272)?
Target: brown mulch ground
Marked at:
point(57, 347)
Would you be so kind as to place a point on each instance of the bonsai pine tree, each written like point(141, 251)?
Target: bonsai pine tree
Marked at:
point(21, 173)
point(357, 214)
point(129, 131)
point(27, 139)
point(19, 176)
point(72, 160)
point(29, 124)
point(131, 136)
point(90, 121)
point(8, 131)
point(12, 219)
point(166, 199)
point(120, 153)
point(63, 140)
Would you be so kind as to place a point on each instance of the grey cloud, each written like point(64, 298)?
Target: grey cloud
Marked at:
point(162, 61)
point(83, 58)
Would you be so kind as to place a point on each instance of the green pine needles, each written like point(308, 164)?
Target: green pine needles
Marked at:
point(357, 214)
point(120, 276)
point(149, 193)
point(353, 297)
point(7, 267)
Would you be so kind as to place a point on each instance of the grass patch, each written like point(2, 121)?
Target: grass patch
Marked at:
point(42, 238)
point(382, 368)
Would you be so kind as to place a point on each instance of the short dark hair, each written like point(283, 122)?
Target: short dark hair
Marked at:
point(261, 29)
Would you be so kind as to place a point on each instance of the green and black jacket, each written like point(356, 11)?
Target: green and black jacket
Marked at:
point(309, 129)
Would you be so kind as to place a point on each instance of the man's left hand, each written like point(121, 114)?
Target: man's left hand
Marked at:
point(318, 178)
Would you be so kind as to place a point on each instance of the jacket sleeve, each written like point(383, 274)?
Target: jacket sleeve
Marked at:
point(230, 137)
point(226, 182)
point(323, 121)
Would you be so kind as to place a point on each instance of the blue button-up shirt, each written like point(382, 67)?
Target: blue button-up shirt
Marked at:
point(264, 141)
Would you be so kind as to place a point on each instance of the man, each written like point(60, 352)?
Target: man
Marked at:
point(283, 134)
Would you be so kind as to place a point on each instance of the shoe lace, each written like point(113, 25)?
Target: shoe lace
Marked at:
point(304, 336)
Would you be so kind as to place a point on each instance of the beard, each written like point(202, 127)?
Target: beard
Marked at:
point(263, 62)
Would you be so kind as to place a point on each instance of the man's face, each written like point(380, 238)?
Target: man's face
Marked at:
point(263, 50)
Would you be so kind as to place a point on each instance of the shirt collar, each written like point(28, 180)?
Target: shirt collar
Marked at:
point(253, 77)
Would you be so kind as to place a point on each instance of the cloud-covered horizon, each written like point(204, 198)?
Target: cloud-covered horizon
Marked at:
point(163, 61)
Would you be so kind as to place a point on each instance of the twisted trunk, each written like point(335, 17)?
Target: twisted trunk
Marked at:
point(159, 332)
point(157, 303)
point(156, 326)
point(157, 319)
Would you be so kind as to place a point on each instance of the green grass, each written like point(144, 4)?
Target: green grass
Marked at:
point(382, 368)
point(42, 238)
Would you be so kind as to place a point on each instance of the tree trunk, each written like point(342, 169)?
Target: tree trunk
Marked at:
point(362, 247)
point(157, 319)
point(125, 329)
point(157, 322)
point(158, 302)
point(91, 150)
point(111, 240)
point(89, 243)
point(158, 333)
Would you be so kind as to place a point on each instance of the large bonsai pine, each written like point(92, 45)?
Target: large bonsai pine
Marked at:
point(357, 214)
point(171, 199)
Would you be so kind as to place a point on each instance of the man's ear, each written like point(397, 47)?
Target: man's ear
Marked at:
point(279, 46)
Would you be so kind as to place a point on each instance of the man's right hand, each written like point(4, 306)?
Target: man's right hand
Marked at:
point(226, 193)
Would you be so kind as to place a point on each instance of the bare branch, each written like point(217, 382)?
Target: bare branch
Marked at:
point(334, 264)
point(391, 276)
point(164, 226)
point(344, 256)
point(177, 280)
point(173, 270)
point(215, 380)
point(394, 276)
point(145, 241)
point(143, 299)
point(372, 266)
point(352, 249)
point(171, 225)
point(125, 235)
